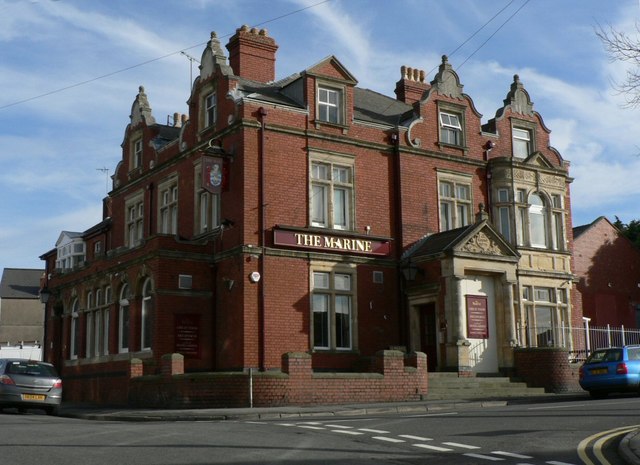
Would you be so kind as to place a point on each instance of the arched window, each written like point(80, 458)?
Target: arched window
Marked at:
point(123, 320)
point(145, 323)
point(74, 330)
point(537, 221)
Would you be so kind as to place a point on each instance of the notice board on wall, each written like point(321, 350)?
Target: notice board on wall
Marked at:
point(477, 317)
point(187, 335)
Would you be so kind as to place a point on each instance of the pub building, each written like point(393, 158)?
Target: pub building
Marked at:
point(310, 216)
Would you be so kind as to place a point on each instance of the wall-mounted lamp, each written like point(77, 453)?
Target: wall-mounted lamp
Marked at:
point(410, 271)
point(45, 294)
point(367, 229)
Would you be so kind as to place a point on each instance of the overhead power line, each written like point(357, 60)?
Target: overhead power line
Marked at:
point(138, 65)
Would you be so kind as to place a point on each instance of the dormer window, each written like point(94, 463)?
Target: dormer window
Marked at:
point(450, 129)
point(521, 142)
point(329, 105)
point(210, 109)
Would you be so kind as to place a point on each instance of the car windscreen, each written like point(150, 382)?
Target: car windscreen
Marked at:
point(600, 356)
point(31, 369)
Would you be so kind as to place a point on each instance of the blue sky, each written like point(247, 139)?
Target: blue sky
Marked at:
point(70, 70)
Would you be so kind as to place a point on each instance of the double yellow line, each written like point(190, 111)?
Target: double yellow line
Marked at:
point(600, 439)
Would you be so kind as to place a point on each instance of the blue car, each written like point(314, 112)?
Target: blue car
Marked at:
point(616, 369)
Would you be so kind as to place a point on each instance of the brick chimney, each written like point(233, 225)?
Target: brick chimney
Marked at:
point(411, 86)
point(252, 54)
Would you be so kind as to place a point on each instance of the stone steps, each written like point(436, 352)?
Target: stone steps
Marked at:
point(443, 386)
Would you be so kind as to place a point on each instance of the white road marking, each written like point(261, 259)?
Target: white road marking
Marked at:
point(484, 457)
point(287, 424)
point(377, 431)
point(559, 463)
point(436, 448)
point(511, 454)
point(387, 439)
point(311, 427)
point(416, 438)
point(343, 431)
point(457, 444)
point(339, 426)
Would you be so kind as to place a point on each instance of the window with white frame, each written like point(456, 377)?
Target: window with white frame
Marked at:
point(169, 209)
point(208, 211)
point(89, 335)
point(537, 221)
point(521, 142)
point(504, 213)
point(210, 109)
point(135, 221)
point(330, 105)
point(74, 332)
point(450, 128)
point(146, 316)
point(557, 223)
point(106, 305)
point(123, 320)
point(521, 216)
point(137, 154)
point(547, 314)
point(332, 194)
point(455, 203)
point(332, 302)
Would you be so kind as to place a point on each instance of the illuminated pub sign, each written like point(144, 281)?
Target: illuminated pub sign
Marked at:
point(331, 243)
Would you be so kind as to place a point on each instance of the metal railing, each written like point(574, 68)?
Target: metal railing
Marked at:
point(580, 341)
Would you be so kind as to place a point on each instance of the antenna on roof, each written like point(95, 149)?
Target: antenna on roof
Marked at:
point(191, 60)
point(105, 170)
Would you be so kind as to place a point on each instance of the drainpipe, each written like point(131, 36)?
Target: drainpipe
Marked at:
point(399, 240)
point(262, 113)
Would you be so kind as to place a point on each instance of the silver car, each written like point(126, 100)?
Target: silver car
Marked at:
point(29, 384)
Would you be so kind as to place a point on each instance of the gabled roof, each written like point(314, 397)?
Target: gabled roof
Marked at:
point(71, 235)
point(580, 230)
point(479, 238)
point(20, 283)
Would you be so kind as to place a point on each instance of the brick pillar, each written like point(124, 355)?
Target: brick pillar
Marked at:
point(390, 362)
point(135, 368)
point(172, 364)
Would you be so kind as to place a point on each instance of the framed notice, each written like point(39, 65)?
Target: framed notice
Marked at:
point(187, 335)
point(477, 317)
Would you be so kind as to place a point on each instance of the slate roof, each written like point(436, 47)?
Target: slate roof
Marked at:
point(439, 242)
point(19, 283)
point(368, 105)
point(378, 108)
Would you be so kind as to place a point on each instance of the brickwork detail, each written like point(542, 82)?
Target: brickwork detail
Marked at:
point(397, 377)
point(546, 367)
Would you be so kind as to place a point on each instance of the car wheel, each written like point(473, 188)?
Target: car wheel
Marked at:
point(598, 394)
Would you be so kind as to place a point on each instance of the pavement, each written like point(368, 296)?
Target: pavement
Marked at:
point(629, 447)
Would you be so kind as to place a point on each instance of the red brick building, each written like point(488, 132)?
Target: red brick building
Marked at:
point(310, 216)
point(607, 267)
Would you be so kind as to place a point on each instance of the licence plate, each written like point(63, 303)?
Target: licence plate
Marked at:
point(599, 371)
point(33, 397)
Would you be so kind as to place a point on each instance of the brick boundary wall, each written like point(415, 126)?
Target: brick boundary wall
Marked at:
point(546, 367)
point(396, 377)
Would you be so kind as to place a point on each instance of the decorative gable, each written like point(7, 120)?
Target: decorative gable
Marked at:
point(485, 241)
point(331, 68)
point(447, 81)
point(518, 99)
point(537, 159)
point(141, 110)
